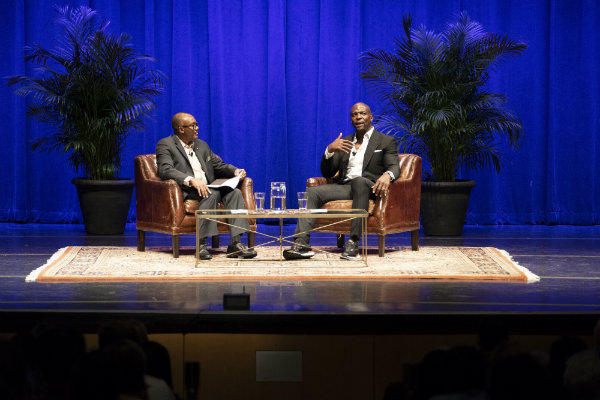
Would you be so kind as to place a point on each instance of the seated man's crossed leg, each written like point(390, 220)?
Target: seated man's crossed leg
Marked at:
point(233, 200)
point(358, 190)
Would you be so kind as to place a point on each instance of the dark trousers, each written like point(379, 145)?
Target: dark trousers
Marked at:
point(233, 200)
point(358, 190)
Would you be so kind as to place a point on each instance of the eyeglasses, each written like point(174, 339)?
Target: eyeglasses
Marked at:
point(194, 125)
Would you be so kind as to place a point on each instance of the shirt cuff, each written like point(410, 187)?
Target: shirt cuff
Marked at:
point(390, 173)
point(187, 180)
point(328, 155)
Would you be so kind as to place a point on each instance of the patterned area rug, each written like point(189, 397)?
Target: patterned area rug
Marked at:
point(94, 263)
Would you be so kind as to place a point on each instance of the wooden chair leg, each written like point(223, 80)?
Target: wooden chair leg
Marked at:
point(215, 242)
point(340, 240)
point(141, 240)
point(414, 240)
point(175, 240)
point(251, 236)
point(381, 244)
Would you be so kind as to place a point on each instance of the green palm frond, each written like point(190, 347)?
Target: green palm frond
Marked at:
point(431, 87)
point(93, 87)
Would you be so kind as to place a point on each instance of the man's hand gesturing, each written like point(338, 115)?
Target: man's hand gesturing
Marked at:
point(340, 144)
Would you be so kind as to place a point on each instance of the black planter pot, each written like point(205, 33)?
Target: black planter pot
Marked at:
point(444, 207)
point(104, 204)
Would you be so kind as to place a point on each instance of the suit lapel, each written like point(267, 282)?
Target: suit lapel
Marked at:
point(345, 160)
point(199, 154)
point(344, 166)
point(181, 150)
point(374, 141)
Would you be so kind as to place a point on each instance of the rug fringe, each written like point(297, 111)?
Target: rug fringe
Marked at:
point(33, 275)
point(531, 277)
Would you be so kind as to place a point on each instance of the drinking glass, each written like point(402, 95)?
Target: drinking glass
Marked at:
point(302, 200)
point(278, 196)
point(259, 198)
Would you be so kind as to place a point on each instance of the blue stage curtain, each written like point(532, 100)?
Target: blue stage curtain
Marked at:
point(271, 83)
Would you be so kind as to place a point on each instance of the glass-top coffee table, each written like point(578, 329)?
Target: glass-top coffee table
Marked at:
point(340, 216)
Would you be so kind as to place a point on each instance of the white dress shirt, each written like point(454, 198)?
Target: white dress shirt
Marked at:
point(196, 166)
point(357, 157)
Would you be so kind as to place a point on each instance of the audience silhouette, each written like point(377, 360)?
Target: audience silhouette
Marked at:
point(501, 369)
point(581, 378)
point(158, 376)
point(44, 357)
point(50, 363)
point(113, 372)
point(560, 351)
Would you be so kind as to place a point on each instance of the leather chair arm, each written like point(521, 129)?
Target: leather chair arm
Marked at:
point(163, 201)
point(404, 197)
point(319, 180)
point(246, 186)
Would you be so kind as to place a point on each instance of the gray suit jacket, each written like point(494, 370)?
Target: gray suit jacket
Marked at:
point(381, 155)
point(173, 163)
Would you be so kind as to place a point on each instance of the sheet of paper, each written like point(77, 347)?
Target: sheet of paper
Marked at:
point(231, 182)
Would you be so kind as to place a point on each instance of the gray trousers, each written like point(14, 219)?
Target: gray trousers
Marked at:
point(231, 199)
point(358, 190)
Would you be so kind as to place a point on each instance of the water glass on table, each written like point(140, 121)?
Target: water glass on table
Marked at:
point(259, 200)
point(302, 199)
point(278, 196)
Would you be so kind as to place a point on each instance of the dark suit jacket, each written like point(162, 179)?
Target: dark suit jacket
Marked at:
point(173, 163)
point(381, 155)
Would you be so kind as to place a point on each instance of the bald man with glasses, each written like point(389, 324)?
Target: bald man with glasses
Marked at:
point(192, 164)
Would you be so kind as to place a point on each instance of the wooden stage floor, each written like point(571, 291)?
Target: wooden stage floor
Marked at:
point(566, 300)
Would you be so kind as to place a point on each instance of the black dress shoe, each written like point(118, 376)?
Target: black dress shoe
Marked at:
point(298, 252)
point(350, 251)
point(203, 253)
point(237, 250)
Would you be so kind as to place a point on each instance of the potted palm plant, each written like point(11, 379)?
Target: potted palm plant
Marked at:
point(95, 89)
point(432, 89)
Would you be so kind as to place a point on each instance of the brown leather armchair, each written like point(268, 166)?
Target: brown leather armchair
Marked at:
point(394, 213)
point(160, 206)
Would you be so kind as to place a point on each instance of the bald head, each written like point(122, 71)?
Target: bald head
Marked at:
point(179, 119)
point(361, 105)
point(185, 127)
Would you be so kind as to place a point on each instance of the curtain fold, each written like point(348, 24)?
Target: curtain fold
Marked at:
point(271, 83)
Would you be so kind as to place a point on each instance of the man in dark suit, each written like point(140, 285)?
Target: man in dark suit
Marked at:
point(366, 163)
point(192, 164)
